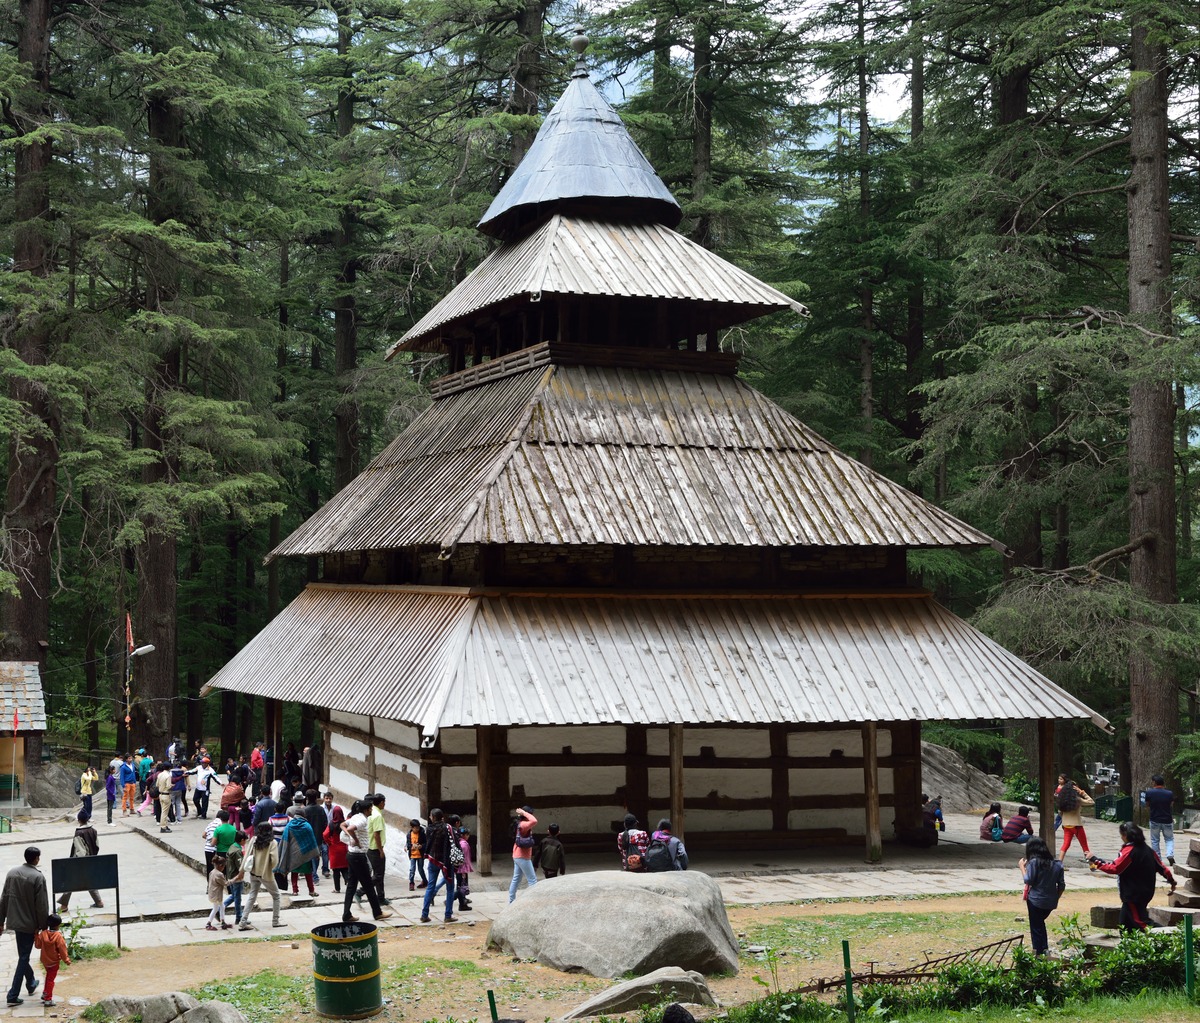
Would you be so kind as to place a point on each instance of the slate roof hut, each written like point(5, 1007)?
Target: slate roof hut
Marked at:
point(601, 573)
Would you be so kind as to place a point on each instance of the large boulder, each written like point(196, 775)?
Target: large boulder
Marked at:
point(51, 784)
point(669, 983)
point(612, 923)
point(962, 787)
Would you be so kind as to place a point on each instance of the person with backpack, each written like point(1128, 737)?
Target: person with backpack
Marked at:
point(631, 844)
point(550, 855)
point(442, 870)
point(991, 827)
point(85, 843)
point(665, 851)
point(1044, 885)
point(522, 851)
point(1069, 803)
point(89, 781)
point(1136, 867)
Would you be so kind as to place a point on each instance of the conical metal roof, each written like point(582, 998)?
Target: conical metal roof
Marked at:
point(583, 161)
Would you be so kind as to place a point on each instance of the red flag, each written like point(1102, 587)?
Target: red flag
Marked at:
point(129, 631)
point(16, 720)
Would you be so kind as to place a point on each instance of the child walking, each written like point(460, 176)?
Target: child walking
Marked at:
point(216, 895)
point(54, 952)
point(415, 844)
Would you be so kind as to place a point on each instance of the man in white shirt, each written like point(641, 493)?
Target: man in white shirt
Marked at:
point(204, 775)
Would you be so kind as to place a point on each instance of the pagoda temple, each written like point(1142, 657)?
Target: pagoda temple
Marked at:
point(600, 573)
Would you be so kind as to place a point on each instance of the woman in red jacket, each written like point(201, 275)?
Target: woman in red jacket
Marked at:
point(337, 848)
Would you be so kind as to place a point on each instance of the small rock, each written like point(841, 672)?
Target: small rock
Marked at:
point(755, 949)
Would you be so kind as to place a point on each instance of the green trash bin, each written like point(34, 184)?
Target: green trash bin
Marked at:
point(346, 977)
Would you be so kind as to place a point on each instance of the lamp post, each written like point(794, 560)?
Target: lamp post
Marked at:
point(141, 651)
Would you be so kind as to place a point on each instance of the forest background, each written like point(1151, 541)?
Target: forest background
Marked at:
point(215, 217)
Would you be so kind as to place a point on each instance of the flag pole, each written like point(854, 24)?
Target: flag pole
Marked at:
point(13, 790)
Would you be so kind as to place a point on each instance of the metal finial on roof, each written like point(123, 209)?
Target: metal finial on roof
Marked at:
point(579, 43)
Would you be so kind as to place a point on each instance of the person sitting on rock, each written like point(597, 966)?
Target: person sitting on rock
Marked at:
point(991, 826)
point(631, 844)
point(1018, 829)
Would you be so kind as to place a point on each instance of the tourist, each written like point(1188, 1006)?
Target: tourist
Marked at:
point(1159, 801)
point(358, 868)
point(262, 809)
point(522, 850)
point(231, 800)
point(110, 790)
point(314, 813)
point(277, 788)
point(462, 880)
point(376, 843)
point(291, 761)
point(438, 840)
point(262, 859)
point(1044, 884)
point(235, 872)
point(216, 895)
point(129, 784)
point(210, 842)
point(257, 763)
point(163, 783)
point(85, 843)
point(631, 844)
point(54, 953)
point(550, 854)
point(991, 825)
point(1018, 829)
point(415, 845)
point(676, 855)
point(1136, 867)
point(145, 764)
point(179, 790)
point(297, 850)
point(24, 909)
point(204, 775)
point(336, 848)
point(327, 805)
point(1069, 801)
point(89, 781)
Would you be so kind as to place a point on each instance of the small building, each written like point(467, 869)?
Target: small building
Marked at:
point(602, 574)
point(22, 727)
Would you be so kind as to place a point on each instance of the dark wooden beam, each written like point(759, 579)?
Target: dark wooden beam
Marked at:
point(483, 797)
point(871, 791)
point(675, 740)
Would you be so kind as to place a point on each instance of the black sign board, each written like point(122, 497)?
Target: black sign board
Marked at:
point(83, 873)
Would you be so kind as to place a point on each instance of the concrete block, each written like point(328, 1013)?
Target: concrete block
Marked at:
point(1170, 916)
point(1188, 900)
point(1106, 916)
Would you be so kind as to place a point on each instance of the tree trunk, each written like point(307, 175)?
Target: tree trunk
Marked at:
point(345, 309)
point(1153, 697)
point(914, 335)
point(30, 497)
point(702, 129)
point(527, 74)
point(866, 294)
point(158, 572)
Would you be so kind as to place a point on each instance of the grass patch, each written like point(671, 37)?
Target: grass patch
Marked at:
point(261, 997)
point(103, 950)
point(1145, 1008)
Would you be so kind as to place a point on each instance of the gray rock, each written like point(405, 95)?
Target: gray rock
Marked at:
point(962, 787)
point(667, 984)
point(612, 923)
point(120, 1006)
point(51, 784)
point(166, 1008)
point(213, 1012)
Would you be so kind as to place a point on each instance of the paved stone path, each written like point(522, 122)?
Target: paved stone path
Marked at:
point(163, 891)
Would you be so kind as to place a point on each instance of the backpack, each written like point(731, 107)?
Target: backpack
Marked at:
point(79, 846)
point(1067, 800)
point(79, 786)
point(658, 856)
point(633, 856)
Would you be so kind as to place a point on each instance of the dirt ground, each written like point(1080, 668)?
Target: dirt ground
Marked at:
point(527, 990)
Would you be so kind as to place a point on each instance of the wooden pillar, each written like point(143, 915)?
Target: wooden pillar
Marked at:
point(483, 798)
point(871, 780)
point(501, 790)
point(371, 755)
point(676, 747)
point(1046, 780)
point(780, 784)
point(637, 776)
point(906, 775)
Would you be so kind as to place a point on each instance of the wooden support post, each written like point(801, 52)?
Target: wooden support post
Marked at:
point(780, 785)
point(483, 798)
point(676, 751)
point(1046, 780)
point(871, 781)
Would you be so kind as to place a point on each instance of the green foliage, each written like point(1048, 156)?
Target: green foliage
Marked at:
point(262, 997)
point(1020, 789)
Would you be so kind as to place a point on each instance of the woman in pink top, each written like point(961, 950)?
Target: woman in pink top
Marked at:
point(523, 850)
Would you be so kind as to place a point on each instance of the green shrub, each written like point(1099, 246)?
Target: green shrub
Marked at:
point(1020, 789)
point(1147, 961)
